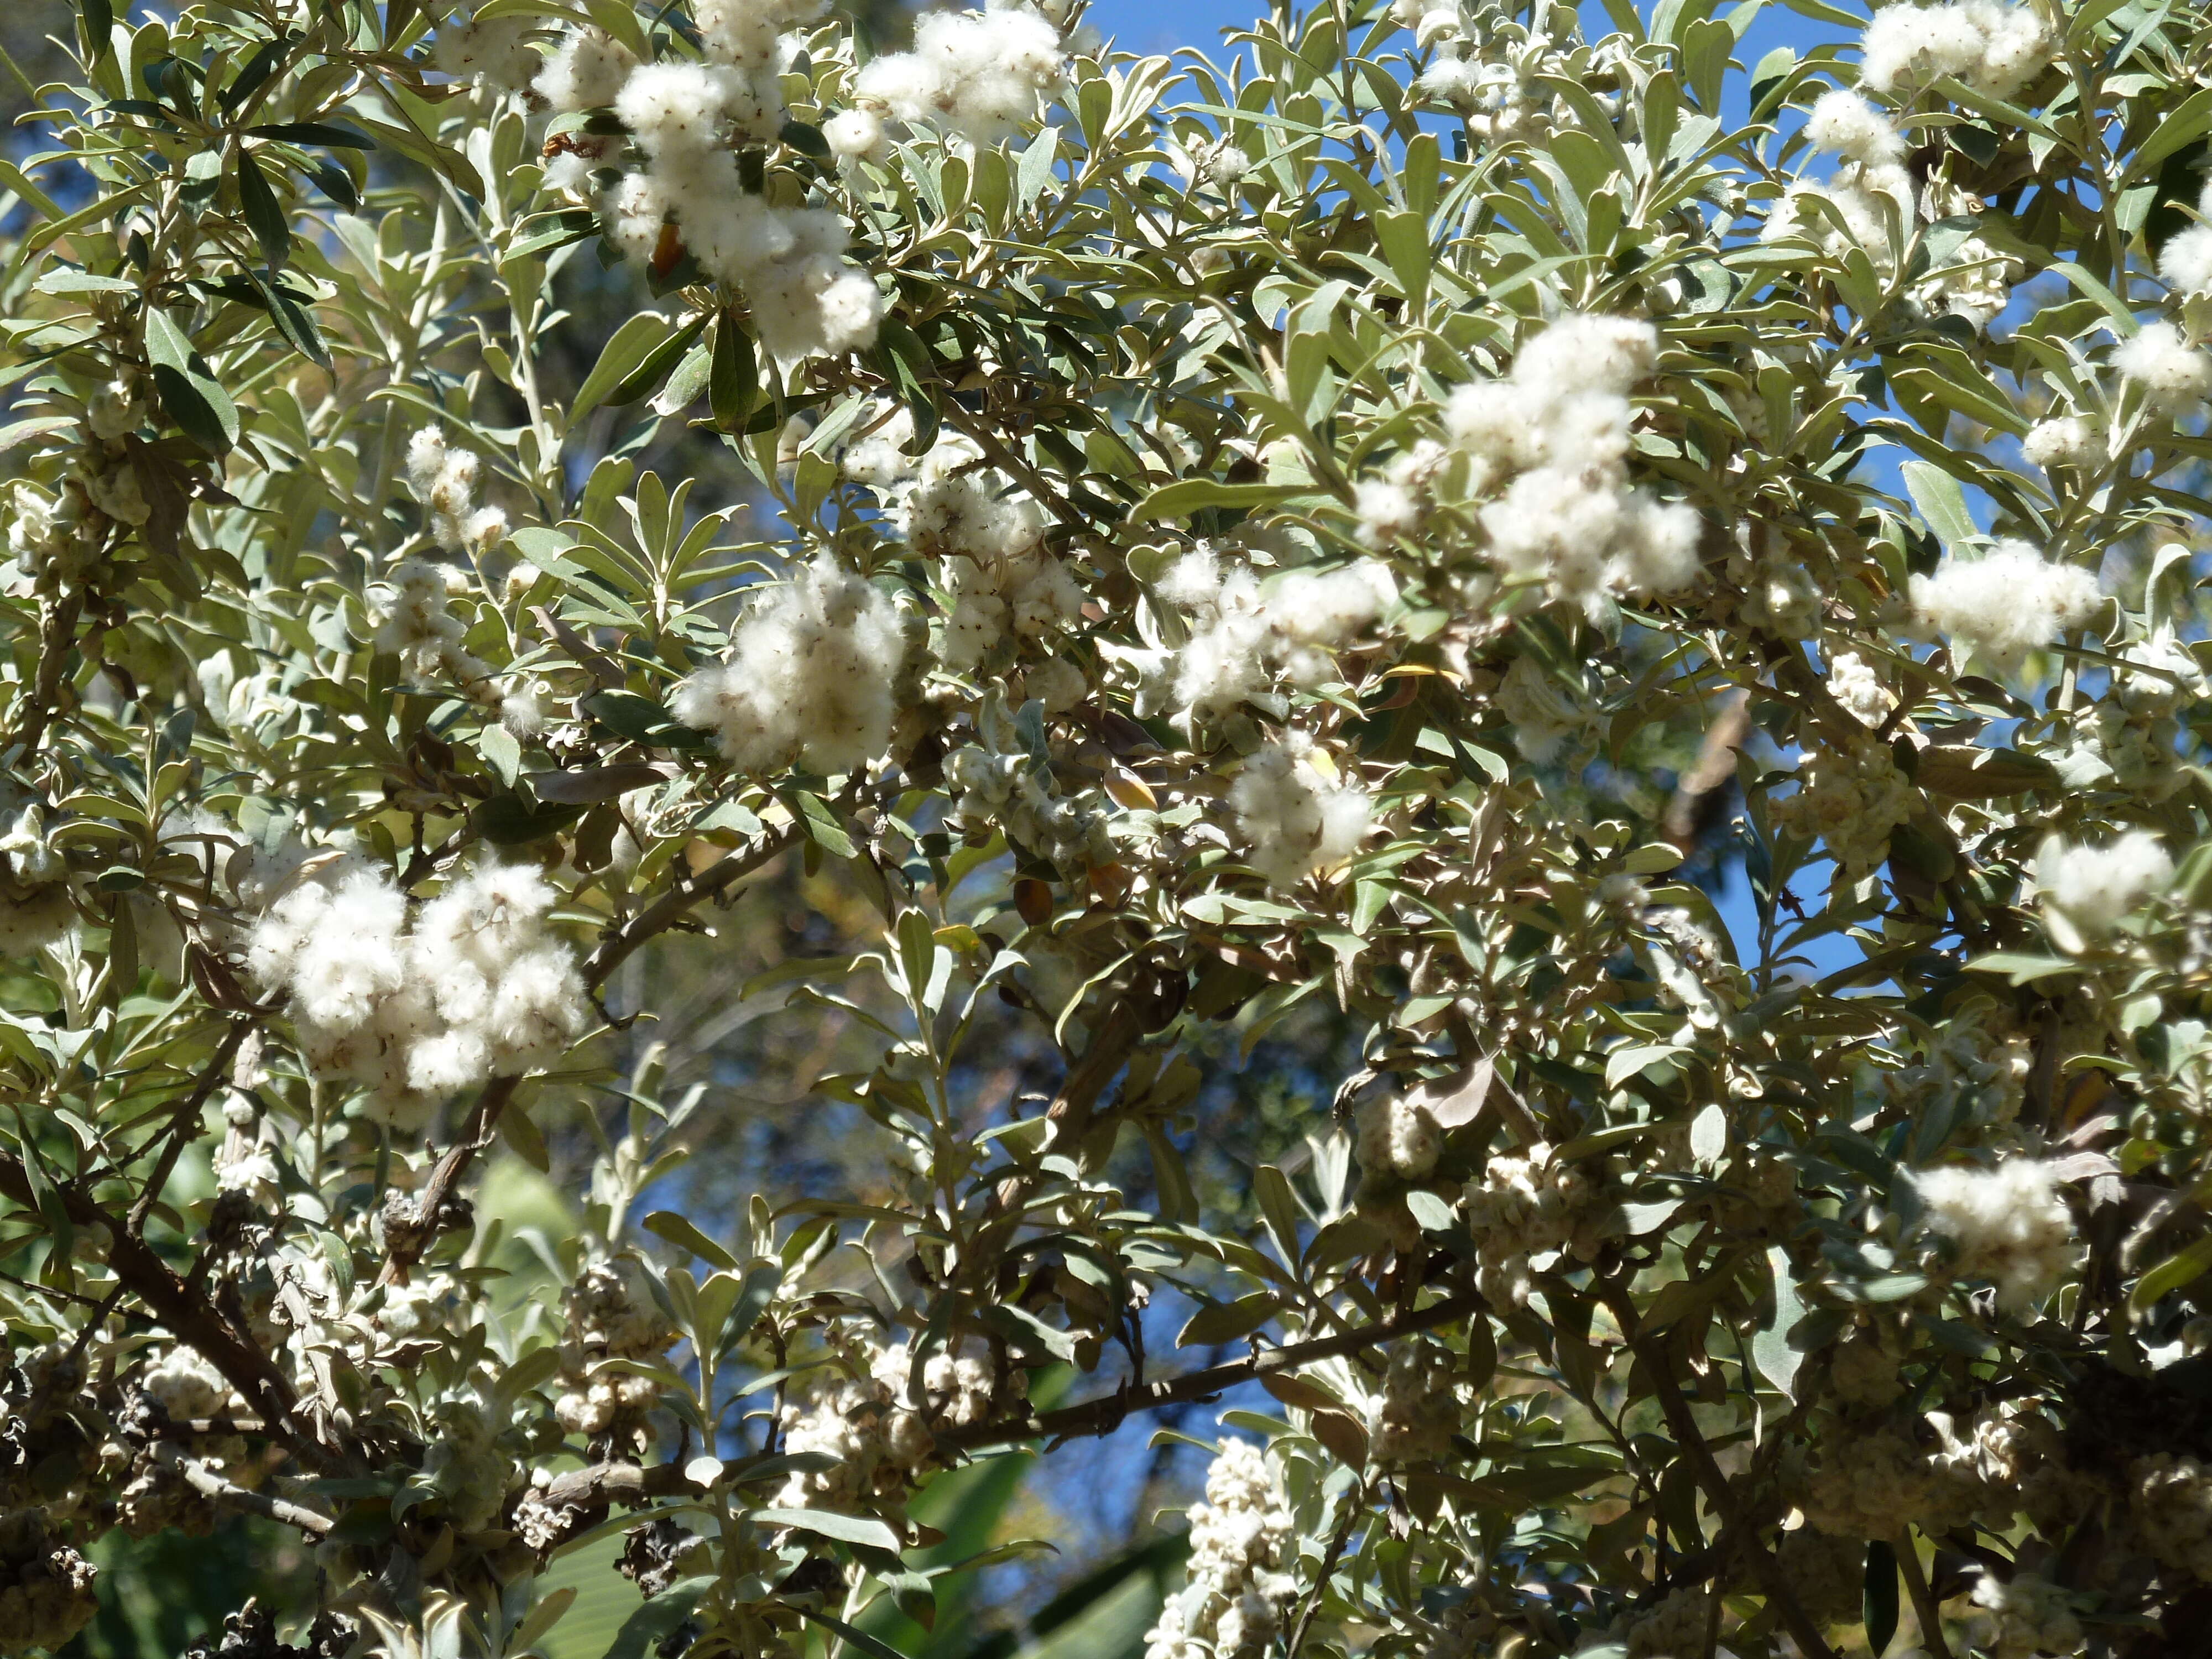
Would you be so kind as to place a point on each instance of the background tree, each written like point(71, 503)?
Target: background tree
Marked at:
point(755, 770)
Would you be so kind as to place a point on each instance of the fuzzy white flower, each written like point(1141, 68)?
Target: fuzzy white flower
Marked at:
point(809, 677)
point(1996, 48)
point(586, 71)
point(1292, 819)
point(2185, 261)
point(1843, 122)
point(979, 74)
point(853, 134)
point(493, 49)
point(478, 986)
point(1559, 424)
point(2063, 441)
point(1242, 636)
point(2087, 888)
point(2175, 375)
point(2005, 602)
point(2009, 1224)
point(1853, 683)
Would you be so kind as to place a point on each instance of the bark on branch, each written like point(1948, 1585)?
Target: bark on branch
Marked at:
point(183, 1311)
point(1103, 1415)
point(1683, 1425)
point(204, 1481)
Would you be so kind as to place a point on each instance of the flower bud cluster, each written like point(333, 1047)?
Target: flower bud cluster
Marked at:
point(46, 1587)
point(35, 895)
point(1243, 1542)
point(1417, 1411)
point(1850, 799)
point(613, 1314)
point(880, 1430)
point(1527, 1204)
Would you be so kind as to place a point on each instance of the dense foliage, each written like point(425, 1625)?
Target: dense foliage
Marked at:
point(1390, 524)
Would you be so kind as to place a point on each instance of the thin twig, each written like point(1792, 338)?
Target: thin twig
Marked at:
point(1723, 1497)
point(1923, 1603)
point(184, 1311)
point(1104, 1415)
point(1355, 1506)
point(183, 1123)
point(657, 917)
point(57, 638)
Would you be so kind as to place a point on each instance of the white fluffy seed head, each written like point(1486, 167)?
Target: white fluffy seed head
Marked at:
point(1845, 123)
point(2087, 889)
point(2005, 602)
point(2009, 1224)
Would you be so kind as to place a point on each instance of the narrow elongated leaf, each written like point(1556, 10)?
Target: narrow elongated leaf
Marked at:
point(1879, 1602)
point(734, 379)
point(264, 215)
point(314, 132)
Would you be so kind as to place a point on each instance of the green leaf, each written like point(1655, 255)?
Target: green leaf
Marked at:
point(659, 1619)
point(684, 1234)
point(1189, 495)
point(640, 720)
point(864, 1530)
point(1879, 1601)
point(293, 319)
point(630, 345)
point(2171, 1274)
point(2176, 128)
point(733, 380)
point(188, 391)
point(510, 821)
point(905, 362)
point(1770, 1349)
point(1940, 502)
point(552, 230)
point(99, 19)
point(875, 1647)
point(1225, 1322)
point(2020, 967)
point(264, 215)
point(805, 138)
point(821, 826)
point(314, 132)
point(658, 362)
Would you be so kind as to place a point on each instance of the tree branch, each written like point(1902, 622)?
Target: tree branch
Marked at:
point(1924, 1609)
point(180, 1308)
point(616, 947)
point(1104, 1415)
point(1072, 1108)
point(1692, 1441)
point(208, 1484)
point(56, 638)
